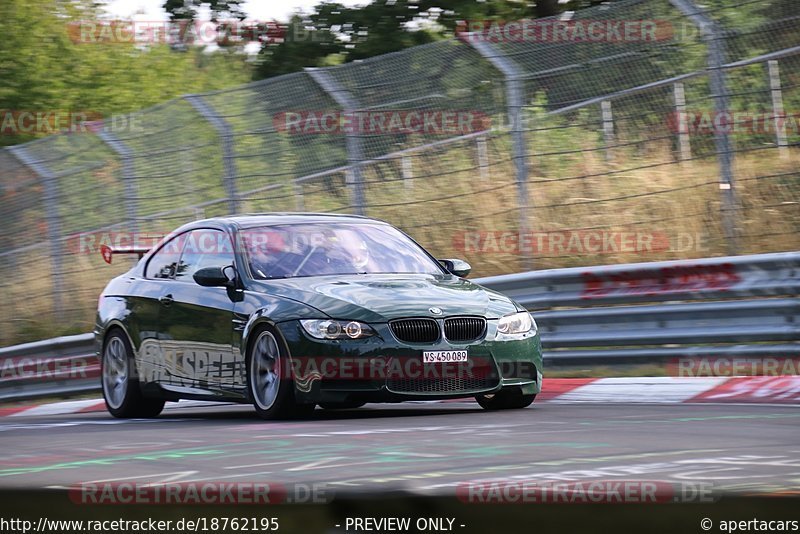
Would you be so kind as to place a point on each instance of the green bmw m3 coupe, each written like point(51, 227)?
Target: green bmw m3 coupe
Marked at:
point(290, 311)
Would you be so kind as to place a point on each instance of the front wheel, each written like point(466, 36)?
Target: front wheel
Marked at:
point(121, 390)
point(269, 378)
point(505, 399)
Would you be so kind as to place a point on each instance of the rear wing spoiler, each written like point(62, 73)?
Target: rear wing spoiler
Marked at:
point(108, 252)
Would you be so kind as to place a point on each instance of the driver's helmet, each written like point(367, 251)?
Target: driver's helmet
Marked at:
point(349, 246)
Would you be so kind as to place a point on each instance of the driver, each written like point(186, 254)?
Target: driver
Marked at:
point(349, 249)
point(268, 251)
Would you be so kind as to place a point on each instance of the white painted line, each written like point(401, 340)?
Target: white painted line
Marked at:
point(183, 403)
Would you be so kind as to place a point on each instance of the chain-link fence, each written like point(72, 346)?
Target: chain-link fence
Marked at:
point(636, 131)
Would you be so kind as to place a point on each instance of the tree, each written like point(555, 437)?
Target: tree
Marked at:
point(189, 9)
point(380, 27)
point(46, 66)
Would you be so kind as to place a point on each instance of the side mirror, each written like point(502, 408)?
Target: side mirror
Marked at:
point(457, 267)
point(215, 276)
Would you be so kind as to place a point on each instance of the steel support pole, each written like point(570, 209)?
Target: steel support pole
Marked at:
point(355, 150)
point(608, 128)
point(225, 133)
point(778, 112)
point(299, 197)
point(515, 102)
point(407, 170)
point(684, 140)
point(128, 175)
point(50, 199)
point(714, 39)
point(483, 158)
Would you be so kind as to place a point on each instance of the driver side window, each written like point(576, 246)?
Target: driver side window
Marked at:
point(204, 248)
point(164, 263)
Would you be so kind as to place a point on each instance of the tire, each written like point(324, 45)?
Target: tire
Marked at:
point(269, 380)
point(346, 405)
point(121, 391)
point(505, 399)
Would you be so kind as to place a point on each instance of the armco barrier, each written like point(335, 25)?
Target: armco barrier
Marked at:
point(743, 306)
point(708, 279)
point(61, 366)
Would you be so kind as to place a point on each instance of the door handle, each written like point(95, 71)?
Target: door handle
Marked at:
point(166, 300)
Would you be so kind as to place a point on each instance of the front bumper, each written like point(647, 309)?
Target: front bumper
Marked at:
point(383, 369)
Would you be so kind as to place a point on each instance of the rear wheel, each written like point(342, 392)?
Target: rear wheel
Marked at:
point(269, 378)
point(121, 390)
point(505, 399)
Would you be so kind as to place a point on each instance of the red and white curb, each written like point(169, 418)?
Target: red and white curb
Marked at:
point(83, 406)
point(646, 390)
point(674, 390)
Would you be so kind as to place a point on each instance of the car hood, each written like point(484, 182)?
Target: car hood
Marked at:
point(382, 297)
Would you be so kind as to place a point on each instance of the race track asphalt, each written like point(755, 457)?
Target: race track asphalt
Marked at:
point(423, 448)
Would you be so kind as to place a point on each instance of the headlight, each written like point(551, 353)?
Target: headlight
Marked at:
point(516, 323)
point(331, 329)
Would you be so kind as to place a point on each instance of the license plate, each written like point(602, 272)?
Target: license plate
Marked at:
point(444, 356)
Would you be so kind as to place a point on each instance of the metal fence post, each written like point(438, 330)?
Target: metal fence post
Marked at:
point(779, 115)
point(53, 218)
point(355, 150)
point(128, 175)
point(515, 101)
point(712, 35)
point(299, 198)
point(608, 128)
point(407, 168)
point(483, 158)
point(225, 133)
point(684, 140)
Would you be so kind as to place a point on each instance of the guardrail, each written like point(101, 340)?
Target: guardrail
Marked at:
point(742, 306)
point(60, 366)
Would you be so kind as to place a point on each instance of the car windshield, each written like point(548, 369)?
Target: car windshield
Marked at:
point(316, 249)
